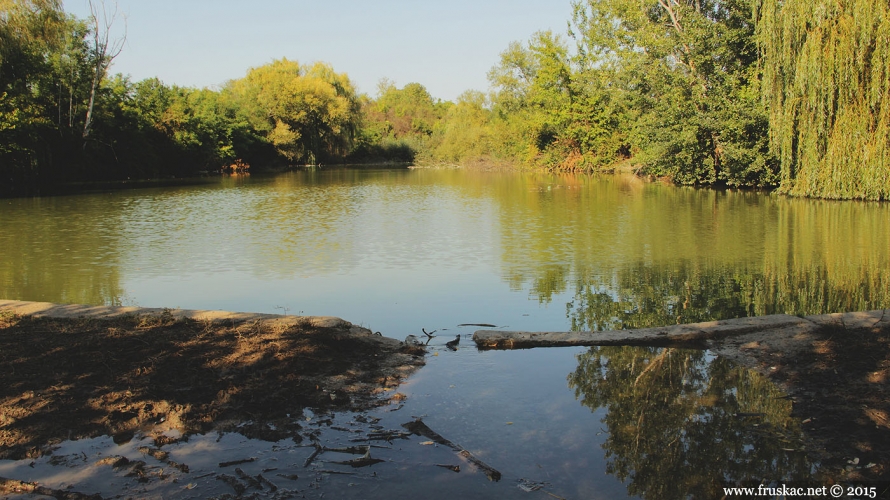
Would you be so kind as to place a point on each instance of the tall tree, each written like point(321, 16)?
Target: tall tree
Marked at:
point(690, 70)
point(103, 49)
point(827, 84)
point(535, 94)
point(31, 32)
point(464, 133)
point(309, 113)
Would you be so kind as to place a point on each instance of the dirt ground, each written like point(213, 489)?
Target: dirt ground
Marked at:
point(78, 378)
point(839, 381)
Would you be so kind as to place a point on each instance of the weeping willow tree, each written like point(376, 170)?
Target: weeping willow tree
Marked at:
point(827, 84)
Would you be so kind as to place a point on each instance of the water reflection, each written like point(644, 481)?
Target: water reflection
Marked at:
point(641, 295)
point(62, 249)
point(403, 249)
point(635, 422)
point(683, 424)
point(630, 254)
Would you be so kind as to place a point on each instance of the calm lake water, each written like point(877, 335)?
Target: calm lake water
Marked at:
point(398, 250)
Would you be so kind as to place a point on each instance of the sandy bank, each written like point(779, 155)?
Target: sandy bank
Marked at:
point(74, 371)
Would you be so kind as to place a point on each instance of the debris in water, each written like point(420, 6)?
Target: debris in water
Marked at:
point(252, 481)
point(318, 449)
point(270, 484)
point(237, 462)
point(233, 482)
point(340, 472)
point(453, 344)
point(387, 436)
point(354, 450)
point(421, 429)
point(530, 486)
point(114, 461)
point(364, 461)
point(26, 487)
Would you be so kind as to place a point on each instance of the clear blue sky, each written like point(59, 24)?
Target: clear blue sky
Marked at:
point(448, 46)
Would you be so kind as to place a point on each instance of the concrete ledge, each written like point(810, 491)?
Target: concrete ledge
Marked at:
point(689, 335)
point(854, 320)
point(52, 310)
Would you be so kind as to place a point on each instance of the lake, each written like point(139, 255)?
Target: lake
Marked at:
point(398, 250)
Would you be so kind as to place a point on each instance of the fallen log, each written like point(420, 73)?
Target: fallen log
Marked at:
point(695, 335)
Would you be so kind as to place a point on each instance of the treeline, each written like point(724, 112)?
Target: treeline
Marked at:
point(793, 94)
point(63, 119)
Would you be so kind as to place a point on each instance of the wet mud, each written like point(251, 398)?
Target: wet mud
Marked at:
point(81, 378)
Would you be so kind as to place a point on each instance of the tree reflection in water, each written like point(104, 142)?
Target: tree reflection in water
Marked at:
point(683, 424)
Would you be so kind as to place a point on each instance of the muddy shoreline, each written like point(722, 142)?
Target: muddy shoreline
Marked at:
point(78, 372)
point(73, 377)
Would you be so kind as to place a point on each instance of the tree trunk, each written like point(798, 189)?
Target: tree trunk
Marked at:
point(88, 124)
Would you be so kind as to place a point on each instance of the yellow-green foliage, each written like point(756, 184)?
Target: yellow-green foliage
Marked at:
point(827, 83)
point(464, 134)
point(309, 113)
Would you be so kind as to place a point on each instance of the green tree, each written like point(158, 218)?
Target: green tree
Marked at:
point(400, 123)
point(40, 58)
point(309, 114)
point(533, 96)
point(409, 111)
point(464, 132)
point(158, 130)
point(556, 110)
point(827, 83)
point(689, 70)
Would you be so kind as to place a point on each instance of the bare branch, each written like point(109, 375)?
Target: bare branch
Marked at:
point(104, 50)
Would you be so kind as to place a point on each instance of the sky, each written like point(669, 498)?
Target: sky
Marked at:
point(446, 45)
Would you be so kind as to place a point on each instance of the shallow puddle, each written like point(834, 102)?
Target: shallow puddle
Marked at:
point(543, 423)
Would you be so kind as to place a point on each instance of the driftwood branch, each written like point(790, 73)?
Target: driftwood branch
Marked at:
point(421, 429)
